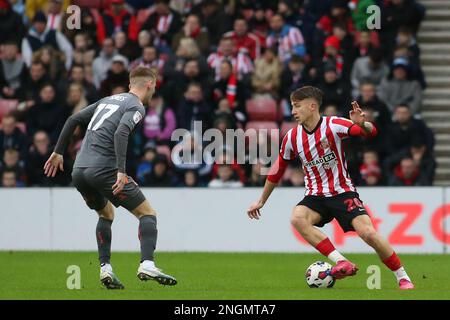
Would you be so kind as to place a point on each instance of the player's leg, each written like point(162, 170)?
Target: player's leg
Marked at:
point(132, 199)
point(304, 219)
point(103, 234)
point(95, 201)
point(148, 234)
point(366, 231)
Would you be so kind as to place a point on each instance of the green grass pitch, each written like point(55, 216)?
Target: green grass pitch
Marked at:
point(42, 275)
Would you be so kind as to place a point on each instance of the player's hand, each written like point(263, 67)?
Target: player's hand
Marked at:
point(253, 211)
point(122, 180)
point(54, 162)
point(357, 115)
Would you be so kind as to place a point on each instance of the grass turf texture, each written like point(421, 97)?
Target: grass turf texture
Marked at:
point(42, 275)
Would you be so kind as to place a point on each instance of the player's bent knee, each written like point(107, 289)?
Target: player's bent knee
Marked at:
point(144, 209)
point(107, 212)
point(300, 219)
point(368, 234)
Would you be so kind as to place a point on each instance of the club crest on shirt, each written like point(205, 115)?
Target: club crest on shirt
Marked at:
point(324, 143)
point(137, 117)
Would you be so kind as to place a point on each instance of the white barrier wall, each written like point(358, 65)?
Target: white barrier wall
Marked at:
point(413, 219)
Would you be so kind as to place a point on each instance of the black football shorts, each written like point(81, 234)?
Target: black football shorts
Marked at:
point(95, 185)
point(343, 207)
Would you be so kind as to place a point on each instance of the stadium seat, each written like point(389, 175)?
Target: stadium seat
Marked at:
point(7, 105)
point(165, 150)
point(258, 125)
point(262, 109)
point(286, 126)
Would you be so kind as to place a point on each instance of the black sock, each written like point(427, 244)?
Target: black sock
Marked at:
point(103, 234)
point(147, 235)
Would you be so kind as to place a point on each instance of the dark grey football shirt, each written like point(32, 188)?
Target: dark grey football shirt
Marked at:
point(102, 119)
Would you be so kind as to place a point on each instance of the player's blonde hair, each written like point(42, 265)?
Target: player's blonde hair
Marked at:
point(139, 76)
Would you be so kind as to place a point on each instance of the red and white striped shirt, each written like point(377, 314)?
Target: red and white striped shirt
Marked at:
point(241, 63)
point(322, 155)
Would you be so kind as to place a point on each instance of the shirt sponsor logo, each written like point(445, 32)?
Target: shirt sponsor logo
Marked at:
point(118, 97)
point(137, 117)
point(327, 161)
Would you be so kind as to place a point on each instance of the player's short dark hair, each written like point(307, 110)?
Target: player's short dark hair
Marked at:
point(143, 72)
point(307, 92)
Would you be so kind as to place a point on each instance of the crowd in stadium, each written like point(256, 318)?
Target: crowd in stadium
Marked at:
point(230, 64)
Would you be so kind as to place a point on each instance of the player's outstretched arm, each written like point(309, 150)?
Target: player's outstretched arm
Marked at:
point(253, 212)
point(55, 161)
point(358, 117)
point(276, 172)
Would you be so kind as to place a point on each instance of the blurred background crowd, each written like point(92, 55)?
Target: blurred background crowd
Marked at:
point(230, 64)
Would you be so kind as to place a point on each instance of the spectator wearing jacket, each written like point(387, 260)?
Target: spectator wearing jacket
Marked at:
point(192, 29)
point(403, 129)
point(114, 19)
point(160, 121)
point(39, 36)
point(163, 24)
point(399, 89)
point(11, 137)
point(11, 25)
point(13, 71)
point(370, 68)
point(103, 62)
point(241, 62)
point(244, 40)
point(288, 39)
point(117, 76)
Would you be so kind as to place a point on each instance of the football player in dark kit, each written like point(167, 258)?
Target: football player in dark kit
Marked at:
point(99, 171)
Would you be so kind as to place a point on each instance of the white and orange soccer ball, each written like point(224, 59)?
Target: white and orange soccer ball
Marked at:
point(318, 275)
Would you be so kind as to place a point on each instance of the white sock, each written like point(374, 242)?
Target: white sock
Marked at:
point(148, 264)
point(106, 267)
point(336, 256)
point(401, 274)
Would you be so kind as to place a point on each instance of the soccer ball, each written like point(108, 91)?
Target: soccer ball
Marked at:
point(318, 275)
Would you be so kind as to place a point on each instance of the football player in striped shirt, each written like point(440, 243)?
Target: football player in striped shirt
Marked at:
point(330, 193)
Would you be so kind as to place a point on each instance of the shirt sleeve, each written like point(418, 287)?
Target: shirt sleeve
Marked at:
point(286, 150)
point(120, 146)
point(81, 118)
point(132, 117)
point(344, 128)
point(286, 154)
point(341, 126)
